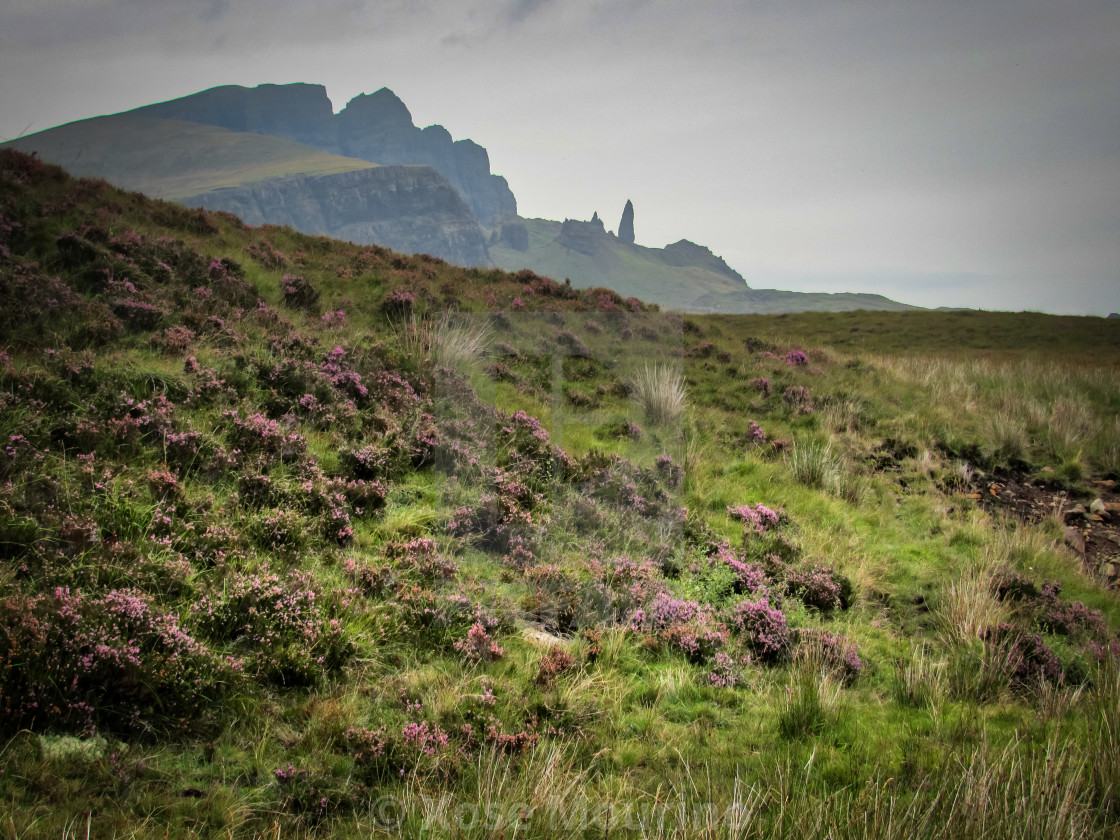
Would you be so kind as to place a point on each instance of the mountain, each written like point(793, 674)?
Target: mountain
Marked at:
point(278, 154)
point(374, 127)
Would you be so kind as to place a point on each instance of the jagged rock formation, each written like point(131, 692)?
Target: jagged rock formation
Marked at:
point(626, 226)
point(375, 127)
point(378, 127)
point(407, 208)
point(586, 238)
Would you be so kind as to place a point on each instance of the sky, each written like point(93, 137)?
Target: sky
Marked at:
point(942, 153)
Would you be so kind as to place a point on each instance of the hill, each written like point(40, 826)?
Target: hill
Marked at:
point(301, 537)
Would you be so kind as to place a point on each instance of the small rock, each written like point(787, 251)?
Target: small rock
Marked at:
point(972, 496)
point(1097, 506)
point(1047, 469)
point(1112, 507)
point(1107, 484)
point(1075, 540)
point(1092, 517)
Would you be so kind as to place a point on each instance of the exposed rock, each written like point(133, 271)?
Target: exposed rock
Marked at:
point(583, 237)
point(407, 208)
point(626, 226)
point(597, 222)
point(378, 127)
point(1114, 314)
point(1075, 540)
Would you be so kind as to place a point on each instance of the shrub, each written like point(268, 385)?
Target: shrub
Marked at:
point(799, 399)
point(478, 646)
point(820, 586)
point(298, 293)
point(764, 629)
point(555, 661)
point(117, 662)
point(837, 653)
point(281, 626)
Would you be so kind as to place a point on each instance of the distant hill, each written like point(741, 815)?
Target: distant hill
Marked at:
point(278, 154)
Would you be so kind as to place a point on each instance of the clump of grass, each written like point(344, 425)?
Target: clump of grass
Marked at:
point(918, 681)
point(447, 342)
point(660, 392)
point(969, 605)
point(813, 463)
point(1102, 715)
point(458, 345)
point(813, 695)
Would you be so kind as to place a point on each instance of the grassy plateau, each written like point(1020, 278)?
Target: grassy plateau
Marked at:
point(304, 538)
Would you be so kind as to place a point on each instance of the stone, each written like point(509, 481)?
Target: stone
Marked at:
point(626, 226)
point(1075, 540)
point(1097, 506)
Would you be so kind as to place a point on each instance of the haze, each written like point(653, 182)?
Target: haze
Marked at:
point(944, 153)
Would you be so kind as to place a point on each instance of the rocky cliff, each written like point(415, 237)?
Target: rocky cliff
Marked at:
point(374, 127)
point(407, 208)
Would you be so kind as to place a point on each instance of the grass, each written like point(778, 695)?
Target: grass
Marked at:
point(654, 728)
point(660, 392)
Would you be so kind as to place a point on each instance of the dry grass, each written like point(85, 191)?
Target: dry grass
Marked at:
point(660, 392)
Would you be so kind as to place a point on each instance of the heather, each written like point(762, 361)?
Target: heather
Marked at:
point(300, 537)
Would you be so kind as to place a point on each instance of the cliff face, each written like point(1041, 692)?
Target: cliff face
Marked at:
point(375, 127)
point(407, 208)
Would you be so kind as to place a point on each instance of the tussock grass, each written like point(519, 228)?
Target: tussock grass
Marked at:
point(660, 392)
point(918, 680)
point(968, 605)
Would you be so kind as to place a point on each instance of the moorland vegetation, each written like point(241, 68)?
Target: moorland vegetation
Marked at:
point(300, 537)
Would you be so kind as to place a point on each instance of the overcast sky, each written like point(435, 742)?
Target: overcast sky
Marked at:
point(942, 153)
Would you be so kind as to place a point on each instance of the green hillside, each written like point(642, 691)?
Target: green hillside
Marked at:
point(172, 159)
point(300, 538)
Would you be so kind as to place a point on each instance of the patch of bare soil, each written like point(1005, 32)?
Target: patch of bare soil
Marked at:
point(1092, 529)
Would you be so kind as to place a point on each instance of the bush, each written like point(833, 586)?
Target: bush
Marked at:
point(764, 630)
point(820, 587)
point(114, 662)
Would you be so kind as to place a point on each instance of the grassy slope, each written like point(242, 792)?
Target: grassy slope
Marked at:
point(174, 159)
point(932, 738)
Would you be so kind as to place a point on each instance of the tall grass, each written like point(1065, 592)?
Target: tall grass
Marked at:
point(446, 341)
point(813, 463)
point(660, 392)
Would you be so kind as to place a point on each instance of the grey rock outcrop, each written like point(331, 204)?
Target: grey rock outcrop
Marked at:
point(407, 208)
point(626, 226)
point(586, 238)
